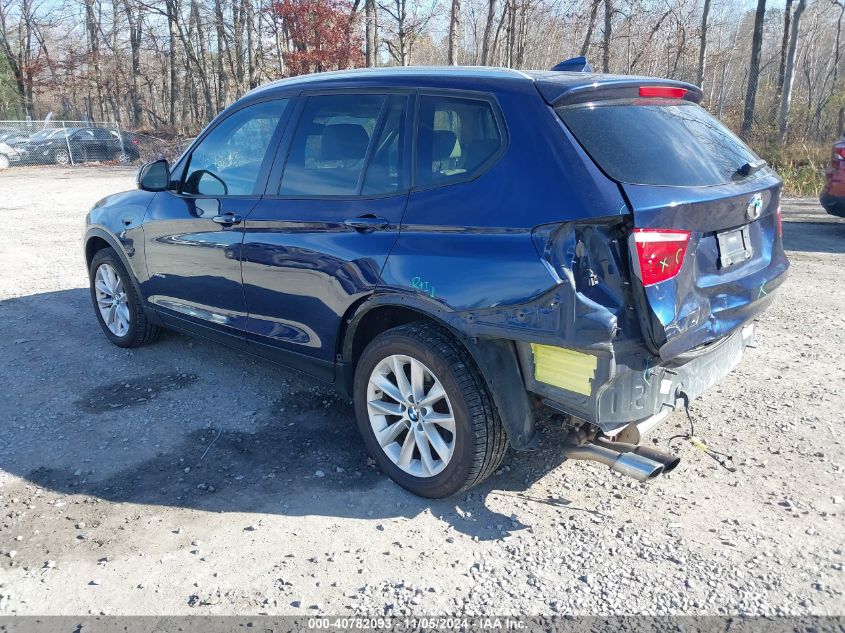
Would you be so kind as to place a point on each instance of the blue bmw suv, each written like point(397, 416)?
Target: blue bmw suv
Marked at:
point(457, 249)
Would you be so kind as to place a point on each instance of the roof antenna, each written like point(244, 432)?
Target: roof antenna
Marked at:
point(574, 65)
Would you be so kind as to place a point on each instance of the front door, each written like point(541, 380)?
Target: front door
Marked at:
point(193, 234)
point(317, 242)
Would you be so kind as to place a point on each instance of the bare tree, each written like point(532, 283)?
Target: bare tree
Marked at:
point(409, 23)
point(590, 26)
point(789, 73)
point(608, 35)
point(753, 70)
point(702, 47)
point(371, 37)
point(454, 28)
point(787, 18)
point(488, 32)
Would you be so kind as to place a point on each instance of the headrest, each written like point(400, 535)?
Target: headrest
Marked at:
point(344, 141)
point(443, 144)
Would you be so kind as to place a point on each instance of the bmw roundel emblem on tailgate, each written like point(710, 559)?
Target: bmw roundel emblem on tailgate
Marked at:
point(755, 207)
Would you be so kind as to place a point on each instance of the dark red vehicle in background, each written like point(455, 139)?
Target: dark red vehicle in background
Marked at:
point(833, 194)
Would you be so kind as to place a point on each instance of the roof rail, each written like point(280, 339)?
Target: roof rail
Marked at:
point(574, 65)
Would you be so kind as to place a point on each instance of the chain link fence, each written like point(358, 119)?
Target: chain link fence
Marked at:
point(68, 143)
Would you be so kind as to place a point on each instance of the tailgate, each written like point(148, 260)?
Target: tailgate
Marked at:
point(733, 261)
point(705, 247)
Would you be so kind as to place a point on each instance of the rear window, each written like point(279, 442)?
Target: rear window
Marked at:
point(664, 143)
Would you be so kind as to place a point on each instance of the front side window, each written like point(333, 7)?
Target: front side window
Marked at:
point(329, 150)
point(228, 161)
point(455, 138)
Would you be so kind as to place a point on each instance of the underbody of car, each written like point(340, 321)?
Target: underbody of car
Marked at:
point(456, 249)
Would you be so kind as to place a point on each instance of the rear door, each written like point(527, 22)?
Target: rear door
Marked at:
point(705, 247)
point(318, 239)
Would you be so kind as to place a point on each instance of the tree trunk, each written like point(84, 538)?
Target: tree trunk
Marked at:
point(789, 74)
point(787, 18)
point(488, 32)
point(249, 25)
point(17, 72)
point(135, 23)
point(222, 77)
point(590, 26)
point(702, 48)
point(173, 119)
point(454, 28)
point(608, 33)
point(199, 62)
point(371, 35)
point(753, 71)
point(92, 27)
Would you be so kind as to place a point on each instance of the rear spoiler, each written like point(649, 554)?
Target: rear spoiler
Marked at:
point(564, 90)
point(574, 65)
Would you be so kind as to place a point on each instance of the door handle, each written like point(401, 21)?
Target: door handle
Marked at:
point(366, 223)
point(227, 219)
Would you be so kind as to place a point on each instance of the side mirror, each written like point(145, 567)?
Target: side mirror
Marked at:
point(154, 176)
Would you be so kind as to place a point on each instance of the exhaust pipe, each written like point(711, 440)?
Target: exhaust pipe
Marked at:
point(639, 462)
point(668, 460)
point(631, 464)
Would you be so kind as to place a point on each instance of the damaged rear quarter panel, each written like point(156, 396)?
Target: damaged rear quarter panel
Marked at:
point(468, 246)
point(467, 251)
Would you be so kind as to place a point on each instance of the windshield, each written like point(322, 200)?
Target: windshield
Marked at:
point(658, 143)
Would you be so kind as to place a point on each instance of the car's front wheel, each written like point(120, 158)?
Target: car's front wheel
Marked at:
point(424, 411)
point(61, 157)
point(117, 304)
point(4, 161)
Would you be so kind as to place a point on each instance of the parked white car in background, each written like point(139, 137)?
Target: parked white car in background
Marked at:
point(8, 155)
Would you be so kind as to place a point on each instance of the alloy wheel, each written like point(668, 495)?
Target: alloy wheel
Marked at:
point(62, 157)
point(411, 416)
point(112, 300)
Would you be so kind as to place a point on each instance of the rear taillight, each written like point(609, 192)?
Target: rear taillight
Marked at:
point(838, 153)
point(135, 141)
point(660, 253)
point(780, 221)
point(666, 92)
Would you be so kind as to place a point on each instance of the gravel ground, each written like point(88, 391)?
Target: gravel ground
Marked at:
point(183, 478)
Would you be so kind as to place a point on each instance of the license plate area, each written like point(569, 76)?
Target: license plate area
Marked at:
point(734, 246)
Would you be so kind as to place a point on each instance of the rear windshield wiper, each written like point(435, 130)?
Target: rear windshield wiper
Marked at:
point(751, 166)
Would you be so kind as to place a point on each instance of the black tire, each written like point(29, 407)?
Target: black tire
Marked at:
point(61, 157)
point(140, 330)
point(480, 439)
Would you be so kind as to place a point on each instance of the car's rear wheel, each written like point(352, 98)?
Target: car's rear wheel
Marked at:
point(4, 161)
point(62, 157)
point(424, 411)
point(117, 304)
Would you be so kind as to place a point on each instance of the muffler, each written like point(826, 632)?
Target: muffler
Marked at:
point(640, 462)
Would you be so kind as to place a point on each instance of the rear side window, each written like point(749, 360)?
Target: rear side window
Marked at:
point(455, 138)
point(385, 171)
point(330, 146)
point(665, 143)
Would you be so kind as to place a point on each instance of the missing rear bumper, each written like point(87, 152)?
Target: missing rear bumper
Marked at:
point(629, 384)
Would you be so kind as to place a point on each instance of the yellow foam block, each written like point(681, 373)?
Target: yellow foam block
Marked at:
point(564, 368)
